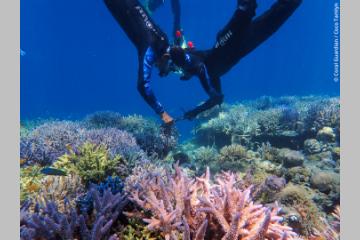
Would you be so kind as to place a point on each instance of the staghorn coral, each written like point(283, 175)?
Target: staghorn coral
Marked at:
point(91, 162)
point(47, 222)
point(198, 209)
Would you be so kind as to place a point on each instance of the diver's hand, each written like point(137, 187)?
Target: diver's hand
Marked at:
point(185, 77)
point(191, 115)
point(167, 119)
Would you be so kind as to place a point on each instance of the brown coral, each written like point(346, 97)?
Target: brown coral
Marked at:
point(198, 209)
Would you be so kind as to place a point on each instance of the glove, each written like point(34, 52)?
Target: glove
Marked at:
point(190, 115)
point(185, 77)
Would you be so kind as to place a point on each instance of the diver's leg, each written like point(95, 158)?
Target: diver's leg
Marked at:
point(134, 20)
point(238, 23)
point(222, 56)
point(267, 24)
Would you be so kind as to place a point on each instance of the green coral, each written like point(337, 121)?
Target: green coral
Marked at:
point(91, 162)
point(30, 181)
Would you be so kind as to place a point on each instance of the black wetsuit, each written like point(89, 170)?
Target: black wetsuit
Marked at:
point(150, 41)
point(240, 36)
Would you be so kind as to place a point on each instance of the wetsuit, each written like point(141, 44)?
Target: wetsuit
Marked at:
point(152, 5)
point(150, 41)
point(240, 36)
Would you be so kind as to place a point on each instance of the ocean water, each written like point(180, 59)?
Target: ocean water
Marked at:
point(76, 60)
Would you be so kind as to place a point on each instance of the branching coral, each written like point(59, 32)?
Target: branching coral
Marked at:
point(198, 209)
point(91, 162)
point(47, 222)
point(47, 142)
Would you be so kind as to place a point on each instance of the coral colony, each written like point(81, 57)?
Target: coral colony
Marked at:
point(254, 170)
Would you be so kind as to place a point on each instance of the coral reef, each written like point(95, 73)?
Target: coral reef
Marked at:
point(199, 209)
point(284, 155)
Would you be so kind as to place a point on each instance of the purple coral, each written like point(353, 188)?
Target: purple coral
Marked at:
point(47, 222)
point(48, 142)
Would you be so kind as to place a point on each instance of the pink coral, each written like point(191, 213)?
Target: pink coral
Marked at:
point(197, 208)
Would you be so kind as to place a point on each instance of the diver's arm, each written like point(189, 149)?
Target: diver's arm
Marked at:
point(214, 92)
point(176, 9)
point(146, 63)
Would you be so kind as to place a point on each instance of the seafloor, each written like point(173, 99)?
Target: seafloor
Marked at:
point(262, 169)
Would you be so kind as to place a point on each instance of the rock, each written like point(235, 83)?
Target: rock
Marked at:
point(312, 146)
point(325, 181)
point(291, 158)
point(326, 134)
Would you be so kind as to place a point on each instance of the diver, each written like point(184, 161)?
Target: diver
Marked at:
point(152, 45)
point(241, 35)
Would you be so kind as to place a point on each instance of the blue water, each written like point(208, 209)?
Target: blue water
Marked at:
point(78, 60)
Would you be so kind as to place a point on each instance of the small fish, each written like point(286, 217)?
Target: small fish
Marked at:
point(53, 171)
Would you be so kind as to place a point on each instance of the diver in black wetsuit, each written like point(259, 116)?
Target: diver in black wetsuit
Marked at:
point(239, 37)
point(152, 5)
point(151, 43)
